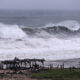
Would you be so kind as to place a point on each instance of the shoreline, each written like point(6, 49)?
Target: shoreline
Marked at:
point(48, 56)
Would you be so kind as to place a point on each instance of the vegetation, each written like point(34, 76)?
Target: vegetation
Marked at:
point(57, 74)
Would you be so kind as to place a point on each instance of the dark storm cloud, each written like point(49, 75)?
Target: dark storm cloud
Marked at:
point(40, 4)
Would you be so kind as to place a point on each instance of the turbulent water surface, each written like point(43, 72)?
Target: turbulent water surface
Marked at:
point(39, 34)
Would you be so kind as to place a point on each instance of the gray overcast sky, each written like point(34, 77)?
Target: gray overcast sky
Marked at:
point(40, 4)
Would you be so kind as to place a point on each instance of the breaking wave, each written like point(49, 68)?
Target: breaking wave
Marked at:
point(65, 29)
point(70, 25)
point(41, 42)
point(11, 32)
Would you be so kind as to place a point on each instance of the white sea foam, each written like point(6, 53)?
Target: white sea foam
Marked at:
point(11, 31)
point(15, 43)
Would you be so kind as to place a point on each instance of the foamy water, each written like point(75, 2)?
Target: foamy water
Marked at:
point(15, 42)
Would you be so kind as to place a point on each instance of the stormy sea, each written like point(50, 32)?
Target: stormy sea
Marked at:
point(52, 35)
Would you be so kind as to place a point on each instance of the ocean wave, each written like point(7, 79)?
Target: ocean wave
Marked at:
point(62, 29)
point(15, 42)
point(11, 32)
point(71, 25)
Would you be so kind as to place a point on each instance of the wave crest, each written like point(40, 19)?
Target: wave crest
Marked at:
point(71, 25)
point(63, 29)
